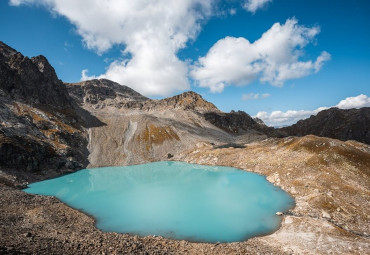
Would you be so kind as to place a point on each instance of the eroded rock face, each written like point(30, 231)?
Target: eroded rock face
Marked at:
point(42, 129)
point(351, 124)
point(32, 81)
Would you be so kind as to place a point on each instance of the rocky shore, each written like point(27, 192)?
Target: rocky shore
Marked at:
point(33, 224)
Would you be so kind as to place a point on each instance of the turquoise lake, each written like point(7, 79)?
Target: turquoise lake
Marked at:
point(173, 199)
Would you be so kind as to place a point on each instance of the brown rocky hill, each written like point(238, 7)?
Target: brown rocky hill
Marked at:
point(351, 124)
point(188, 101)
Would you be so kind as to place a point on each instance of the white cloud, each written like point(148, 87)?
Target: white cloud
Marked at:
point(354, 102)
point(253, 5)
point(254, 96)
point(274, 58)
point(279, 118)
point(152, 31)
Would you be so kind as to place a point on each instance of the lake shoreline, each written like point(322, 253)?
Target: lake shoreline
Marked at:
point(319, 223)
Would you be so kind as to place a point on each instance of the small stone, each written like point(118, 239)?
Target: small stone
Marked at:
point(293, 190)
point(326, 215)
point(28, 234)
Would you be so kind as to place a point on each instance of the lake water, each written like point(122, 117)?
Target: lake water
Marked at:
point(173, 199)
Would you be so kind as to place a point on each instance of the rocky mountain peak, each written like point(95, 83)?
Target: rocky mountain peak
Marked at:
point(187, 101)
point(99, 93)
point(44, 67)
point(32, 81)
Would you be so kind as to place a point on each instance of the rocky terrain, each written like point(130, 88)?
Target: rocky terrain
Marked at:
point(49, 128)
point(42, 132)
point(328, 178)
point(137, 129)
point(351, 124)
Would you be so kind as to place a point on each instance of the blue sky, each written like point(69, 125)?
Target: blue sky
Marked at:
point(280, 60)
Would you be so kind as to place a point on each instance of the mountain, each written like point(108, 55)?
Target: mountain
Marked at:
point(49, 128)
point(42, 130)
point(137, 129)
point(351, 124)
point(32, 81)
point(103, 93)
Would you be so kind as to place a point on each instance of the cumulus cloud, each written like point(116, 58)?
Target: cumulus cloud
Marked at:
point(274, 58)
point(279, 118)
point(253, 5)
point(152, 32)
point(254, 96)
point(354, 102)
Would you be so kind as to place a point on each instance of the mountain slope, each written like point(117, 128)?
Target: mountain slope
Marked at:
point(137, 129)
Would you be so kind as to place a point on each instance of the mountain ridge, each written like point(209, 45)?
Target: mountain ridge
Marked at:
point(101, 93)
point(342, 124)
point(39, 109)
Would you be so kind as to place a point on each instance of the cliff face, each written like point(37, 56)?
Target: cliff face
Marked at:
point(352, 124)
point(32, 81)
point(41, 132)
